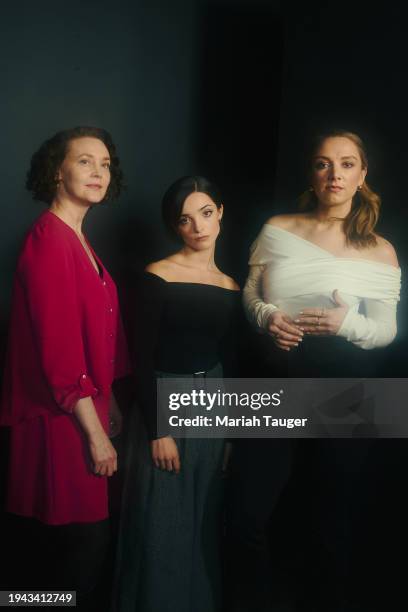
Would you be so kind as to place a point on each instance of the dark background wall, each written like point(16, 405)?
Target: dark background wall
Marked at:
point(183, 87)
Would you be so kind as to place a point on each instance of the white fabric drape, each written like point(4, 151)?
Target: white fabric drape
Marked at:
point(290, 273)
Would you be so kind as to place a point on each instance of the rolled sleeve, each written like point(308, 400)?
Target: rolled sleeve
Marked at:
point(66, 398)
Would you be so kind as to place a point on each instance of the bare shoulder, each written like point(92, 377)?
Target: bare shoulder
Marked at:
point(160, 268)
point(384, 252)
point(229, 283)
point(287, 222)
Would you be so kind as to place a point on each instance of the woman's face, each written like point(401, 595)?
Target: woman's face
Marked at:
point(84, 175)
point(337, 171)
point(199, 223)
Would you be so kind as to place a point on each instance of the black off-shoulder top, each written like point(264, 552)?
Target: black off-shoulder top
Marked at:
point(181, 328)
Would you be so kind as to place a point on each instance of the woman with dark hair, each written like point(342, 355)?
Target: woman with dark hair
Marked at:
point(169, 546)
point(324, 286)
point(66, 345)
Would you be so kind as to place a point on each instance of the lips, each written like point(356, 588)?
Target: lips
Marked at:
point(334, 188)
point(94, 186)
point(202, 238)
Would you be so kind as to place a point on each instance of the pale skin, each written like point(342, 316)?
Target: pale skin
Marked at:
point(199, 226)
point(83, 180)
point(337, 174)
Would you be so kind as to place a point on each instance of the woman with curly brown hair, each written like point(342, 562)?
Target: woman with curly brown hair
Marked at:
point(324, 285)
point(66, 345)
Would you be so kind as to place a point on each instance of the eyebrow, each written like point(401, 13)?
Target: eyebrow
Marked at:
point(205, 205)
point(93, 156)
point(202, 208)
point(343, 157)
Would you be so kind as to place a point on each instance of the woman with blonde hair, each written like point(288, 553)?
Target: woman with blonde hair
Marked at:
point(324, 285)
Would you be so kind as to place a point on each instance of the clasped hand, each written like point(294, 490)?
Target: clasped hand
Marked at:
point(287, 332)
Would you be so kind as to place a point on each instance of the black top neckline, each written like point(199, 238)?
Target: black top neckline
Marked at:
point(190, 283)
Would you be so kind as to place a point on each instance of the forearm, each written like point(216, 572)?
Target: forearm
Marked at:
point(376, 329)
point(85, 412)
point(102, 453)
point(257, 311)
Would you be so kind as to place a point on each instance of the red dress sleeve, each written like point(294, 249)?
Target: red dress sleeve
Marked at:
point(47, 273)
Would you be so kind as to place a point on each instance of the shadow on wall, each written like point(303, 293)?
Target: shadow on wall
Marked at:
point(236, 123)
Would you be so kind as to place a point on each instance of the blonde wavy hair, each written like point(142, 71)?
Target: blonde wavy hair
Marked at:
point(359, 224)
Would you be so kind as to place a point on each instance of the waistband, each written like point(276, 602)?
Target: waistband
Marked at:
point(214, 372)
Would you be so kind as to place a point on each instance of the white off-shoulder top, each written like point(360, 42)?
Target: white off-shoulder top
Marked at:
point(290, 273)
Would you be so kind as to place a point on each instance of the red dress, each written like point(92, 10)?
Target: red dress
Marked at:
point(66, 342)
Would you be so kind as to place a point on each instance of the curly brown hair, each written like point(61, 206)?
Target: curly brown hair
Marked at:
point(359, 224)
point(45, 163)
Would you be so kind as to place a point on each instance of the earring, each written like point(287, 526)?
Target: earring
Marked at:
point(359, 188)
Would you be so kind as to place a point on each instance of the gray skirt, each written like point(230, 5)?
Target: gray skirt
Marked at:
point(169, 544)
